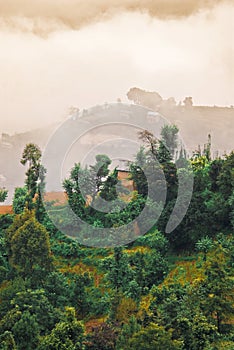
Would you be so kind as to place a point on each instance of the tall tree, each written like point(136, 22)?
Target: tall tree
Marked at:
point(169, 135)
point(119, 272)
point(218, 287)
point(100, 170)
point(35, 172)
point(28, 245)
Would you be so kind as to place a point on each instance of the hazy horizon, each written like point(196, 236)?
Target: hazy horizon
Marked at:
point(88, 53)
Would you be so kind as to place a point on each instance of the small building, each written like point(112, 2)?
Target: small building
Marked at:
point(124, 177)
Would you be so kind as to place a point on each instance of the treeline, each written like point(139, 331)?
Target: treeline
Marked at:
point(161, 291)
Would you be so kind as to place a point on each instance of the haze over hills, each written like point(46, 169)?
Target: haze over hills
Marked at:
point(194, 122)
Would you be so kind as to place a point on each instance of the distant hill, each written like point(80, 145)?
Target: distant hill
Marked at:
point(197, 122)
point(194, 122)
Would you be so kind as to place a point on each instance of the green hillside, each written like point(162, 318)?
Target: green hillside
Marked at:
point(63, 288)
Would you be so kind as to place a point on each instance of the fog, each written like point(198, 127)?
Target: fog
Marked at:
point(49, 15)
point(57, 54)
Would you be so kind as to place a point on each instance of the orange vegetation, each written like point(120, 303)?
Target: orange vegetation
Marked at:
point(59, 198)
point(6, 209)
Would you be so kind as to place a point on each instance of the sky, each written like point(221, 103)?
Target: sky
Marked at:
point(56, 54)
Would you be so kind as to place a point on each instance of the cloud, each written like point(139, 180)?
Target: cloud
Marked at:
point(42, 17)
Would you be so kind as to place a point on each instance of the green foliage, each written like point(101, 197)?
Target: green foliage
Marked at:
point(198, 311)
point(28, 245)
point(7, 341)
point(127, 331)
point(20, 199)
point(57, 289)
point(225, 178)
point(26, 331)
point(178, 309)
point(9, 291)
point(119, 272)
point(67, 334)
point(204, 245)
point(218, 287)
point(231, 204)
point(155, 240)
point(100, 170)
point(153, 337)
point(4, 266)
point(72, 188)
point(137, 173)
point(3, 194)
point(156, 268)
point(35, 178)
point(108, 191)
point(36, 303)
point(129, 297)
point(169, 135)
point(79, 296)
point(5, 221)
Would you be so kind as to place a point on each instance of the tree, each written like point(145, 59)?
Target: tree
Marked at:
point(57, 289)
point(3, 194)
point(177, 307)
point(103, 336)
point(100, 170)
point(188, 102)
point(153, 337)
point(72, 188)
point(156, 268)
point(29, 316)
point(35, 303)
point(109, 191)
point(169, 135)
point(98, 183)
point(218, 297)
point(119, 272)
point(204, 245)
point(137, 173)
point(226, 176)
point(150, 141)
point(79, 296)
point(7, 294)
point(7, 341)
point(28, 246)
point(214, 171)
point(127, 331)
point(148, 99)
point(158, 160)
point(207, 149)
point(231, 204)
point(35, 173)
point(66, 335)
point(155, 240)
point(4, 266)
point(20, 199)
point(26, 332)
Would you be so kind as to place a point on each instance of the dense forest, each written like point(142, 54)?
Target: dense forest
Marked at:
point(161, 290)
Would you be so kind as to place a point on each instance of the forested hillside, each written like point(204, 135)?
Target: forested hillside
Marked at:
point(161, 290)
point(194, 122)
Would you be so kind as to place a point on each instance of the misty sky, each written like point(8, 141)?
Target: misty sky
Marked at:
point(48, 65)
